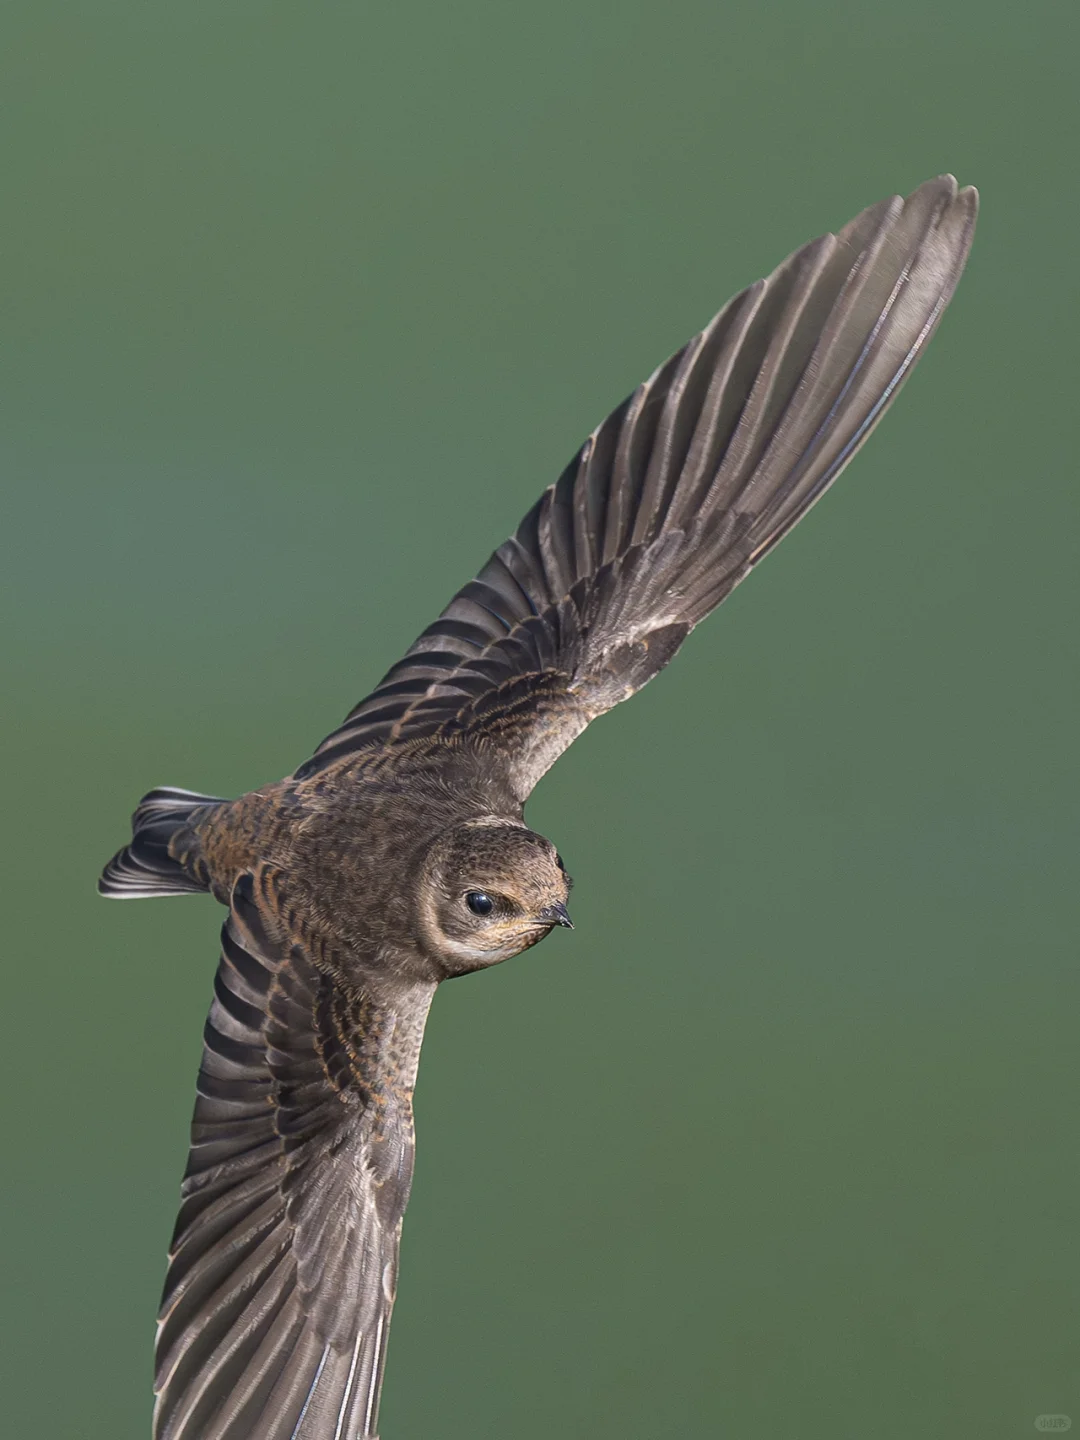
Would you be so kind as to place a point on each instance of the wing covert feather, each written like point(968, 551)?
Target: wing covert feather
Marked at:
point(676, 496)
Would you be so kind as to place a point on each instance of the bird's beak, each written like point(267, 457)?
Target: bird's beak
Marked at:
point(555, 915)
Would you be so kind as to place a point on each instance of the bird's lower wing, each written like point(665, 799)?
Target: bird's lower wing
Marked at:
point(283, 1267)
point(676, 496)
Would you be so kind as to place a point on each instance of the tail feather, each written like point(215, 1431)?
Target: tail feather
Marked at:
point(163, 856)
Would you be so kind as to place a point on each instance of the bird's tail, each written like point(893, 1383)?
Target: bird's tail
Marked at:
point(163, 857)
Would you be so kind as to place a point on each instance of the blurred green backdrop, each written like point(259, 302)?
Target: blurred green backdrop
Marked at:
point(303, 305)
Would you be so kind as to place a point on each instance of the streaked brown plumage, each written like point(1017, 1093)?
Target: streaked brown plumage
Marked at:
point(398, 856)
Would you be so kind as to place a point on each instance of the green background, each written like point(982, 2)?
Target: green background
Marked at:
point(302, 306)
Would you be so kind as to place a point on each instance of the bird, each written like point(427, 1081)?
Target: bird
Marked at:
point(397, 855)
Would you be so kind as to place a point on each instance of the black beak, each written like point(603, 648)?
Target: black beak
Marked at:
point(555, 915)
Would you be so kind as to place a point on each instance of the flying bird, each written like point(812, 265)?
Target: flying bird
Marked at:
point(397, 856)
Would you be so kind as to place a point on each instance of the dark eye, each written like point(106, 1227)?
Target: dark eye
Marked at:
point(479, 903)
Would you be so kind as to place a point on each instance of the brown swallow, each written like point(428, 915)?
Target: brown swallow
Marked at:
point(398, 855)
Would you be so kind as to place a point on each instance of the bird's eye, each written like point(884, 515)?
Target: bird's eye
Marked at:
point(479, 903)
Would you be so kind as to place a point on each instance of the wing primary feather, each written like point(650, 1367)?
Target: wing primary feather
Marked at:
point(375, 1380)
point(667, 453)
point(348, 1386)
point(310, 1394)
point(248, 1394)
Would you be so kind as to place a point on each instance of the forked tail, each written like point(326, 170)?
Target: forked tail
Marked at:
point(163, 857)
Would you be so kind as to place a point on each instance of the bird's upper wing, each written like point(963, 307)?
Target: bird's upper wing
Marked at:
point(676, 496)
point(283, 1267)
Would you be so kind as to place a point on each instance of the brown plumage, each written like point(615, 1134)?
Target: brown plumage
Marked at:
point(398, 855)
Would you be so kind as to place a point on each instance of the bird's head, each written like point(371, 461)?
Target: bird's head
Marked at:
point(490, 888)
